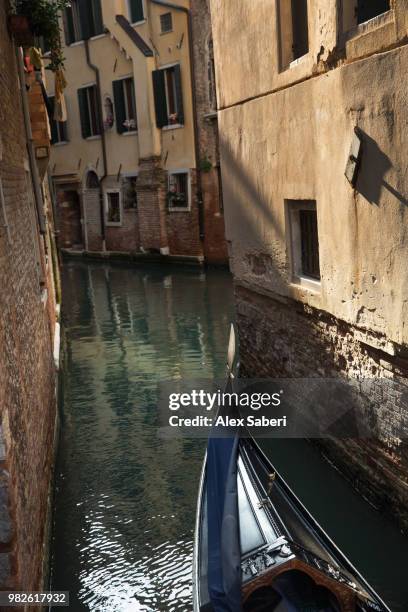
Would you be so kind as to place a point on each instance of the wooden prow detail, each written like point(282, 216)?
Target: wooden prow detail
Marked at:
point(345, 596)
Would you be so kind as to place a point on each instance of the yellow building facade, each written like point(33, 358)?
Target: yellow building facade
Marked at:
point(126, 163)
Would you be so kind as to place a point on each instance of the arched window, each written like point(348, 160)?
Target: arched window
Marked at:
point(92, 181)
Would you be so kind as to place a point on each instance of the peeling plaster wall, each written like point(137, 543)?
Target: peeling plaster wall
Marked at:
point(285, 134)
point(294, 144)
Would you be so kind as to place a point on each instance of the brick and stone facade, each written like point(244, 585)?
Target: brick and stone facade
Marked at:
point(27, 329)
point(154, 151)
point(287, 121)
point(215, 245)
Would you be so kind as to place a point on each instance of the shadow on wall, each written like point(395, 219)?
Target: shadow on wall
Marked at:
point(251, 216)
point(374, 166)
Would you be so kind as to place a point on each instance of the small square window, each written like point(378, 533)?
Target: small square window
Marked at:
point(166, 23)
point(178, 195)
point(304, 241)
point(113, 212)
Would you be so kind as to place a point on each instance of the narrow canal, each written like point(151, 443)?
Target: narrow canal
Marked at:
point(125, 499)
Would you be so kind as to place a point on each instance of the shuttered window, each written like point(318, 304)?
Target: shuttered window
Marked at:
point(125, 105)
point(168, 96)
point(136, 11)
point(82, 20)
point(58, 128)
point(89, 111)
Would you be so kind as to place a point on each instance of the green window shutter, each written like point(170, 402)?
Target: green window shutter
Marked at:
point(85, 16)
point(68, 22)
point(160, 103)
point(97, 17)
point(179, 94)
point(84, 112)
point(120, 110)
point(136, 10)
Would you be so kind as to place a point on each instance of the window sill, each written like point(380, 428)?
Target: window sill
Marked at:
point(60, 144)
point(179, 208)
point(306, 282)
point(167, 32)
point(175, 126)
point(297, 61)
point(98, 36)
point(130, 133)
point(96, 137)
point(371, 24)
point(111, 224)
point(138, 23)
point(77, 43)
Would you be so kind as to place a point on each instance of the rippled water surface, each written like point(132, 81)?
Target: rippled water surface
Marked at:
point(125, 501)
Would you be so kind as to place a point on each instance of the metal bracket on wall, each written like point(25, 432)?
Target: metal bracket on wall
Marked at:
point(354, 158)
point(4, 214)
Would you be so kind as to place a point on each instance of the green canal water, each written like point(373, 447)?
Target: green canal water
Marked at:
point(125, 498)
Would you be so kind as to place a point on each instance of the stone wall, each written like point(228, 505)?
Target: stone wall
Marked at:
point(215, 246)
point(27, 380)
point(286, 339)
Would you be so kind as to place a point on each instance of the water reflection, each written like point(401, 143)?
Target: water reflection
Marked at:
point(126, 499)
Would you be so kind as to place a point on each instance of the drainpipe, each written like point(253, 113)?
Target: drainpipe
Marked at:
point(199, 194)
point(30, 148)
point(103, 139)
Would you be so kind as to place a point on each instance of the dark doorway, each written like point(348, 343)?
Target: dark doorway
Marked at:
point(69, 211)
point(367, 9)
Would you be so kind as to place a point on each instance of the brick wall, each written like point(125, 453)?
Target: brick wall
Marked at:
point(183, 226)
point(151, 202)
point(215, 246)
point(288, 339)
point(27, 380)
point(126, 237)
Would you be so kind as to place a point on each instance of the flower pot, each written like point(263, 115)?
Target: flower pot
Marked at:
point(19, 27)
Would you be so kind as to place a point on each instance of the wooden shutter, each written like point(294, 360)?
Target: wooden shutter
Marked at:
point(179, 94)
point(160, 103)
point(68, 22)
point(120, 109)
point(85, 16)
point(84, 112)
point(136, 10)
point(97, 17)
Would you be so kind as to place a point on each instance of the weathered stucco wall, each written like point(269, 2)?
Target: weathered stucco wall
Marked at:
point(285, 134)
point(294, 145)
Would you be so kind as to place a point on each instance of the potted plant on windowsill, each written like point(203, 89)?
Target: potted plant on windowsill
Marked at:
point(39, 19)
point(176, 200)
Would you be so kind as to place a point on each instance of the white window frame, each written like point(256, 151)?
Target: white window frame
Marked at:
point(180, 208)
point(106, 197)
point(129, 12)
point(294, 243)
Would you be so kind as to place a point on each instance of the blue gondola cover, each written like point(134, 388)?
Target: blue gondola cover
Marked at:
point(224, 551)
